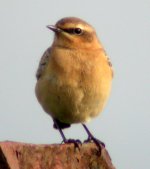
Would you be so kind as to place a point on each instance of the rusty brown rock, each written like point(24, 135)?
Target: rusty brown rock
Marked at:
point(14, 155)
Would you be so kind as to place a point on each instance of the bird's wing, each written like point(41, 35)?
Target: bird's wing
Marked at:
point(43, 63)
point(110, 65)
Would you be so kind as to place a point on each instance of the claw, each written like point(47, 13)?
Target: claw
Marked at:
point(76, 143)
point(91, 138)
point(98, 143)
point(95, 140)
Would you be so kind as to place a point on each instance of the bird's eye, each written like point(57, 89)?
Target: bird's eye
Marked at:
point(78, 31)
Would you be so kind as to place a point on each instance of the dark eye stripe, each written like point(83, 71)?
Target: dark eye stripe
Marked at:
point(76, 31)
point(71, 30)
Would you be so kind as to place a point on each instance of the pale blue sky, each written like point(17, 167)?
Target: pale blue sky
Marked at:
point(123, 26)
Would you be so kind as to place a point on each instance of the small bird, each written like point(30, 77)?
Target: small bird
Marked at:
point(74, 76)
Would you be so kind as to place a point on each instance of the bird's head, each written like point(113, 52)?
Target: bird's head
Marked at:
point(75, 33)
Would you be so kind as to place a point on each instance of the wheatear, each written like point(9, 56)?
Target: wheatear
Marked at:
point(74, 75)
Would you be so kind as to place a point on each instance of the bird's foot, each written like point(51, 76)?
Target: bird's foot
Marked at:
point(76, 143)
point(98, 143)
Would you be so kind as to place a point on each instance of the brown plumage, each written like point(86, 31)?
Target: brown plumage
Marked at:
point(74, 75)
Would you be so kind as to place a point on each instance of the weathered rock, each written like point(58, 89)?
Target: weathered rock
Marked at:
point(15, 155)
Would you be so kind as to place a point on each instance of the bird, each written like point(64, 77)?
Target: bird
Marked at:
point(74, 76)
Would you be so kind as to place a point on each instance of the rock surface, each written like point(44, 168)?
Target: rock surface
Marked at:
point(15, 155)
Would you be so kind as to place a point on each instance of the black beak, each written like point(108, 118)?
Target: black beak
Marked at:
point(54, 28)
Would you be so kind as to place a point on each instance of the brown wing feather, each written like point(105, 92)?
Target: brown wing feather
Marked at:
point(43, 63)
point(110, 64)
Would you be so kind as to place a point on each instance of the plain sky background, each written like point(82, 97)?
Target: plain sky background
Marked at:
point(123, 26)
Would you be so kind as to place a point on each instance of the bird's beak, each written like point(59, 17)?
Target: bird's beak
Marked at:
point(54, 28)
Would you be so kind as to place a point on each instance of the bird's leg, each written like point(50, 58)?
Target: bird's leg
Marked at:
point(60, 131)
point(75, 142)
point(92, 138)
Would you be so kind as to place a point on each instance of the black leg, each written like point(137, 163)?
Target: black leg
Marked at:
point(60, 131)
point(92, 138)
point(75, 142)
